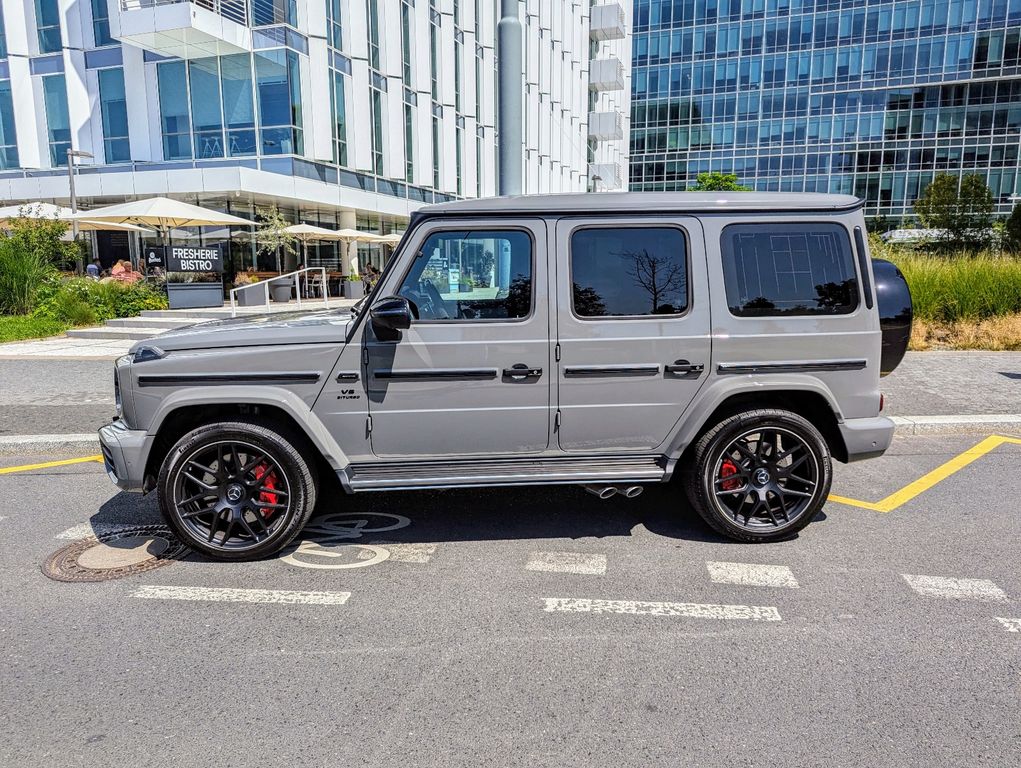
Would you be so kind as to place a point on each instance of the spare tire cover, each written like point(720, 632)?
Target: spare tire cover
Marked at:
point(895, 313)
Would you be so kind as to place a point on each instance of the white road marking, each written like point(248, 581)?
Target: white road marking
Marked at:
point(956, 589)
point(752, 575)
point(567, 562)
point(224, 595)
point(408, 553)
point(1011, 625)
point(642, 608)
point(336, 555)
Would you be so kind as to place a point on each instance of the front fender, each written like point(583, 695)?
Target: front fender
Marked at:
point(233, 395)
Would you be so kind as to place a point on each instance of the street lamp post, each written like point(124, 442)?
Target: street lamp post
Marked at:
point(71, 155)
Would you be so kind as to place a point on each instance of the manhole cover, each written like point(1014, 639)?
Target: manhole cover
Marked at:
point(115, 554)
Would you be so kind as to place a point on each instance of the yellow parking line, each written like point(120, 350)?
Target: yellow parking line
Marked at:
point(927, 481)
point(48, 464)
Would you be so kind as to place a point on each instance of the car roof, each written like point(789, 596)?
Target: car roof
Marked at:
point(646, 202)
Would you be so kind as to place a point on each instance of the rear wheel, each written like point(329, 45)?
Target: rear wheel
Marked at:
point(760, 475)
point(236, 490)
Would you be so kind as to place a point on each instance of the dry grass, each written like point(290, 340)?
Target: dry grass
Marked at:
point(998, 334)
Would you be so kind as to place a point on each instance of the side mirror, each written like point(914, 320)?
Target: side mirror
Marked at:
point(392, 313)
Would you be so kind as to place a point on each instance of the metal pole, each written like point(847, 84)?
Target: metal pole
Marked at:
point(511, 87)
point(74, 206)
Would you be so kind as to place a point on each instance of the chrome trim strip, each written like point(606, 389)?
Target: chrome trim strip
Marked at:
point(605, 371)
point(424, 374)
point(194, 379)
point(826, 366)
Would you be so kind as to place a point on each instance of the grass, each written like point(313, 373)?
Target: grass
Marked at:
point(18, 327)
point(999, 334)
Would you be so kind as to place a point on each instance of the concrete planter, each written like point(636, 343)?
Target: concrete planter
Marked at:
point(252, 296)
point(354, 289)
point(194, 295)
point(280, 290)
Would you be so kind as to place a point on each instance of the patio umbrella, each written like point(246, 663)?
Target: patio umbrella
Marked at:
point(306, 232)
point(391, 240)
point(163, 214)
point(60, 213)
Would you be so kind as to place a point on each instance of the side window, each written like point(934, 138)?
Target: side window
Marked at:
point(471, 275)
point(788, 269)
point(629, 271)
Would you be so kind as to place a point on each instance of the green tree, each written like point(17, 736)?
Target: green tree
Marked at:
point(271, 238)
point(1012, 230)
point(963, 210)
point(718, 182)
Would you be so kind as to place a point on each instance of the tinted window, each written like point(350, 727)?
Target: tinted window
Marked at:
point(476, 275)
point(788, 269)
point(629, 271)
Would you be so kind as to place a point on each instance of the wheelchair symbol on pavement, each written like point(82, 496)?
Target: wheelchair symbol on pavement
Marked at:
point(329, 545)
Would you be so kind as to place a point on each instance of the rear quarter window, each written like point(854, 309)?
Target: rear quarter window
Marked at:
point(779, 269)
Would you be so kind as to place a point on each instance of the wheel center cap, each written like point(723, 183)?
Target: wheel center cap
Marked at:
point(761, 476)
point(235, 493)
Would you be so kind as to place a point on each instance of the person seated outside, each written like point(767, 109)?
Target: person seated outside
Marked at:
point(93, 269)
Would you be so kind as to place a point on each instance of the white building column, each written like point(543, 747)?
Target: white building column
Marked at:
point(348, 219)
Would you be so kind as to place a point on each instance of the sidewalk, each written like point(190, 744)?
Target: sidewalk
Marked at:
point(930, 393)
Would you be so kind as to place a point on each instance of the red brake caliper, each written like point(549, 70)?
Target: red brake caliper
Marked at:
point(267, 479)
point(729, 469)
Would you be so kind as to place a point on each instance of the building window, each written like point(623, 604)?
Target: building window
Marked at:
point(114, 110)
point(409, 143)
point(8, 137)
point(3, 38)
point(267, 12)
point(334, 24)
point(458, 68)
point(376, 110)
point(58, 123)
point(788, 269)
point(372, 21)
point(175, 120)
point(101, 23)
point(47, 21)
point(436, 151)
point(206, 118)
point(629, 271)
point(434, 52)
point(339, 107)
point(406, 37)
point(238, 104)
point(459, 156)
point(279, 87)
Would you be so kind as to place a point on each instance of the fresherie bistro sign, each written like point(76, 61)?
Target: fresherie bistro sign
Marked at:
point(183, 258)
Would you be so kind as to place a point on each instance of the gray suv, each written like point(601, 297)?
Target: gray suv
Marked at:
point(731, 342)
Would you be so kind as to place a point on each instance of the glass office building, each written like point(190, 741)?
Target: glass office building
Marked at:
point(864, 97)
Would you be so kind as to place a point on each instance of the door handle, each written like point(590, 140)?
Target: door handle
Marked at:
point(683, 368)
point(521, 372)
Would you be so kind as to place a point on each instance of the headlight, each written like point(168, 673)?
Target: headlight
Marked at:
point(145, 354)
point(123, 361)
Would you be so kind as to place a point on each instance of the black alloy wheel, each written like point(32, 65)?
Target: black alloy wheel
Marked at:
point(760, 476)
point(236, 490)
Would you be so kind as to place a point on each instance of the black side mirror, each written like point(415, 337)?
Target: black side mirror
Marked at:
point(392, 313)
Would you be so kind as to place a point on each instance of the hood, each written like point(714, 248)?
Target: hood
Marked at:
point(323, 327)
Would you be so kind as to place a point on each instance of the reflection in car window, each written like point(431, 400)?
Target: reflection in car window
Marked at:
point(629, 271)
point(471, 275)
point(788, 269)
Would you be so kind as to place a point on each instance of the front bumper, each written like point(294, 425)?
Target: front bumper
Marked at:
point(124, 454)
point(866, 438)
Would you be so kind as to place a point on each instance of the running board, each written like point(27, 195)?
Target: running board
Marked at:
point(410, 475)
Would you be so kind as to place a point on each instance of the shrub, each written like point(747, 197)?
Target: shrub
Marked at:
point(946, 289)
point(22, 273)
point(80, 301)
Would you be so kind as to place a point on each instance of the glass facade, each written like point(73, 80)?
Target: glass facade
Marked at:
point(58, 122)
point(114, 109)
point(8, 137)
point(101, 23)
point(47, 22)
point(339, 110)
point(864, 97)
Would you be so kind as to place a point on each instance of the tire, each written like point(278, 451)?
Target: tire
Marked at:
point(243, 504)
point(771, 467)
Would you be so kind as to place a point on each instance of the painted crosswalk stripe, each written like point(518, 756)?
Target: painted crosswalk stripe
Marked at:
point(956, 589)
point(752, 575)
point(1011, 625)
point(644, 608)
point(567, 562)
point(225, 595)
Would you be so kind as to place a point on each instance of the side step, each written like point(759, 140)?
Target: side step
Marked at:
point(408, 475)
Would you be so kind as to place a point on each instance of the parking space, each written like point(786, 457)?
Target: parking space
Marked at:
point(438, 627)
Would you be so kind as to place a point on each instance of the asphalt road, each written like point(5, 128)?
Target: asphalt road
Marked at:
point(473, 645)
point(76, 396)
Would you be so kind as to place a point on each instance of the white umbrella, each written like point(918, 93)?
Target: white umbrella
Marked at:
point(392, 239)
point(307, 232)
point(60, 213)
point(162, 213)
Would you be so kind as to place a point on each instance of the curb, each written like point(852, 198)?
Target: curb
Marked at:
point(981, 424)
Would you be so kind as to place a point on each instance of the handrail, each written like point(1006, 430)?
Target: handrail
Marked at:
point(297, 293)
point(235, 10)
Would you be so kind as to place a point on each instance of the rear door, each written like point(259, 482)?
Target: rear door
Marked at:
point(632, 330)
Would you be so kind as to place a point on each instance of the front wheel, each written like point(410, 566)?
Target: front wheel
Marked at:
point(760, 475)
point(236, 490)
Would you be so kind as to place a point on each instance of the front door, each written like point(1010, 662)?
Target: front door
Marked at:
point(471, 376)
point(633, 330)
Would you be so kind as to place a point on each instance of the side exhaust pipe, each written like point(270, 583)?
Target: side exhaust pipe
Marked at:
point(633, 491)
point(602, 491)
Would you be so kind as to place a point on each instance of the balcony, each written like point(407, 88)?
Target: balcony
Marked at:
point(605, 126)
point(606, 74)
point(605, 177)
point(607, 22)
point(187, 30)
